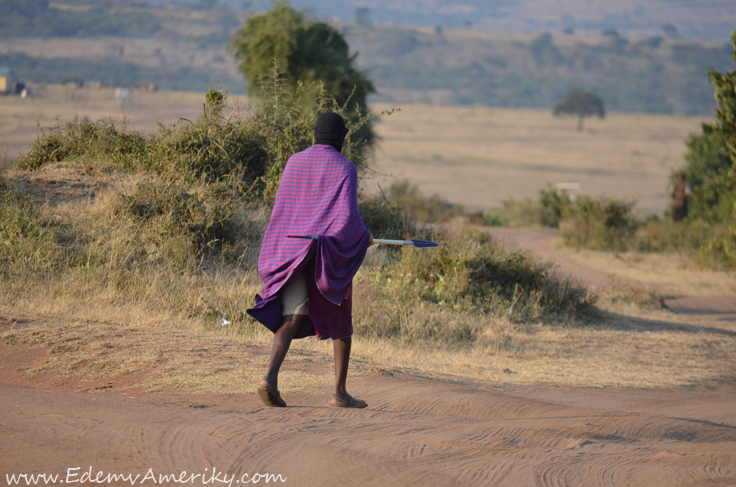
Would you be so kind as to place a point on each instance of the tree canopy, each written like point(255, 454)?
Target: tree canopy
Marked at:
point(711, 155)
point(581, 104)
point(304, 51)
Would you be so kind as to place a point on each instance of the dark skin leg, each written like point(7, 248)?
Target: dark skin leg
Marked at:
point(341, 347)
point(281, 342)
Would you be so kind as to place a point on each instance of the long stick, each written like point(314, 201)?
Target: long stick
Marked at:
point(420, 244)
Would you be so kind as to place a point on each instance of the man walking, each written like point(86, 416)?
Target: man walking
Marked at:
point(307, 284)
point(680, 197)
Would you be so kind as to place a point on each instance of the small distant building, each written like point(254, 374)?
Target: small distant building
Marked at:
point(6, 80)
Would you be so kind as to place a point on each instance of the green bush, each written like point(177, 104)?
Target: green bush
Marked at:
point(73, 141)
point(720, 252)
point(667, 236)
point(599, 224)
point(386, 220)
point(553, 206)
point(472, 272)
point(548, 210)
point(242, 157)
point(434, 209)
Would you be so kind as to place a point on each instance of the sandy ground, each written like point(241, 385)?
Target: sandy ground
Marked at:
point(415, 432)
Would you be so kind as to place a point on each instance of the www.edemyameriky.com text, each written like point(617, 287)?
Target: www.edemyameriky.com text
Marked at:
point(75, 475)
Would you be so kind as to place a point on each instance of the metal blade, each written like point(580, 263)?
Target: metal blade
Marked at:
point(424, 244)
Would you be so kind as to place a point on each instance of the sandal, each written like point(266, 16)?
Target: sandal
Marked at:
point(350, 401)
point(270, 396)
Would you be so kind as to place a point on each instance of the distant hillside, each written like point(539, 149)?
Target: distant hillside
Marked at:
point(457, 66)
point(700, 19)
point(116, 18)
point(184, 47)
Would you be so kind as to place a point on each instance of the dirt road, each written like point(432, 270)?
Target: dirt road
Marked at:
point(415, 432)
point(540, 243)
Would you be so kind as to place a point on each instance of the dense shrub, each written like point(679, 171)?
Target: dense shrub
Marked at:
point(720, 252)
point(658, 235)
point(386, 220)
point(243, 155)
point(472, 272)
point(548, 210)
point(599, 224)
point(73, 141)
point(421, 208)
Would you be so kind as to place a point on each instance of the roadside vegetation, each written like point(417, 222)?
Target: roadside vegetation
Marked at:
point(100, 216)
point(707, 234)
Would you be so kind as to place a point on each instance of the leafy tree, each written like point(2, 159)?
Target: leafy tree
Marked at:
point(711, 155)
point(725, 95)
point(305, 52)
point(582, 104)
point(707, 156)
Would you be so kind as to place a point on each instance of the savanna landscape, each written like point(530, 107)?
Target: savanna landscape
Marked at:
point(565, 332)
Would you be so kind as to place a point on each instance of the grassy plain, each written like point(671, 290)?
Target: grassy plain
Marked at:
point(475, 156)
point(479, 156)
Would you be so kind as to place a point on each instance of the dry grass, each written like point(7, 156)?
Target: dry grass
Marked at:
point(670, 273)
point(598, 357)
point(479, 156)
point(20, 119)
point(173, 354)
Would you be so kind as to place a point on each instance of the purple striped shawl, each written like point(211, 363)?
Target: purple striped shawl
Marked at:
point(318, 195)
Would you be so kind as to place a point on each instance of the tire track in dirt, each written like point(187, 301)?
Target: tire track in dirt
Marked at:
point(415, 432)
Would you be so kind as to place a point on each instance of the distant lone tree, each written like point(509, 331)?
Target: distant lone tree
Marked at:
point(581, 104)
